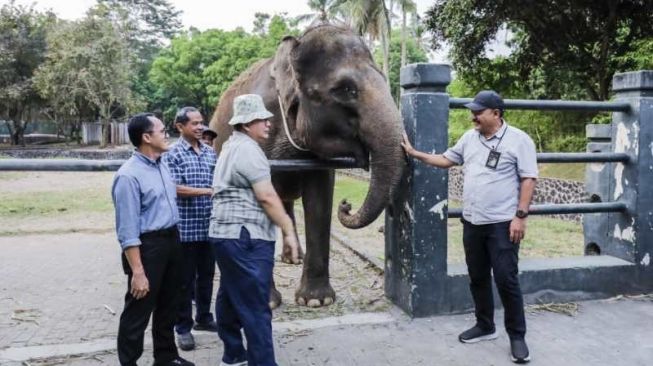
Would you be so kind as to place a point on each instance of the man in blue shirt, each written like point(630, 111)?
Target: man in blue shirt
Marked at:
point(146, 223)
point(191, 164)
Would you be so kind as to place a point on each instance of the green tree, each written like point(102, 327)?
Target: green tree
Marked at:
point(90, 61)
point(323, 11)
point(198, 67)
point(556, 43)
point(146, 25)
point(408, 7)
point(371, 18)
point(413, 54)
point(22, 49)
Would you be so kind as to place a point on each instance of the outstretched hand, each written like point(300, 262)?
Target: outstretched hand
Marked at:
point(408, 147)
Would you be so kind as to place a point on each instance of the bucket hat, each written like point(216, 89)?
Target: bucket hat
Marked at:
point(247, 108)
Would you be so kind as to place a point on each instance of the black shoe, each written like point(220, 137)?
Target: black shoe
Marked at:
point(211, 326)
point(476, 334)
point(519, 351)
point(185, 341)
point(176, 362)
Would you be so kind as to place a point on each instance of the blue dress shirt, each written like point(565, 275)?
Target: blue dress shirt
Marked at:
point(144, 196)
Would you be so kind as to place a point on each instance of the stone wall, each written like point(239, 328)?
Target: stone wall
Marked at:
point(47, 153)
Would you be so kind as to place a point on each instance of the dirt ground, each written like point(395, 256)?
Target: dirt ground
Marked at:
point(358, 285)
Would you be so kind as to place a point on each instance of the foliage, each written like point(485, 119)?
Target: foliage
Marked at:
point(198, 67)
point(324, 11)
point(146, 26)
point(88, 69)
point(22, 48)
point(554, 41)
point(413, 54)
point(551, 131)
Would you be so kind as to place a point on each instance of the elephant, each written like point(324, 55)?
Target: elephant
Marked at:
point(329, 100)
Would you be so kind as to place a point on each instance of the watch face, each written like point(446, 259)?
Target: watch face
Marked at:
point(521, 214)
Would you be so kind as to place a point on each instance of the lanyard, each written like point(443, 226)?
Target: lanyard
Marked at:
point(500, 139)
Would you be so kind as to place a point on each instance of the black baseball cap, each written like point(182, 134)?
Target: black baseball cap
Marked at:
point(208, 131)
point(486, 99)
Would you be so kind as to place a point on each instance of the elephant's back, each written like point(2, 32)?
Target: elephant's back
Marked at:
point(249, 81)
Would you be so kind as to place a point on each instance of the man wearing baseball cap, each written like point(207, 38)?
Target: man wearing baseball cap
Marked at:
point(500, 169)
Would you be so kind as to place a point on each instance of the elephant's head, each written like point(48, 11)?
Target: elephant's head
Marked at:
point(338, 103)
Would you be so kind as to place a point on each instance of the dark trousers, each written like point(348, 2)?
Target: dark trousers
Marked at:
point(197, 272)
point(488, 247)
point(242, 301)
point(161, 258)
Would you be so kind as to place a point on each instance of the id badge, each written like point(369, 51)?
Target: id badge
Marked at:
point(493, 159)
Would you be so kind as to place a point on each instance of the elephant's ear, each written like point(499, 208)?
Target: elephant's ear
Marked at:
point(283, 74)
point(281, 68)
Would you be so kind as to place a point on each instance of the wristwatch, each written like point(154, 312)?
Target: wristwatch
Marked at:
point(521, 214)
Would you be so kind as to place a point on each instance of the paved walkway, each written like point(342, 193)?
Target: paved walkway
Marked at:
point(60, 297)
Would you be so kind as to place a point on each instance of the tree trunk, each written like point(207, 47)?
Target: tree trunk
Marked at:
point(385, 44)
point(17, 128)
point(403, 38)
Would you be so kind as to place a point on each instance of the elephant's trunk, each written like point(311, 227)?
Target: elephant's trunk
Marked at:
point(381, 132)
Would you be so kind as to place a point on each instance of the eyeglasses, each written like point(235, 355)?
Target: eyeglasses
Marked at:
point(163, 132)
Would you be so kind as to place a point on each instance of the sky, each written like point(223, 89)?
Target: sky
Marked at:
point(228, 15)
point(202, 14)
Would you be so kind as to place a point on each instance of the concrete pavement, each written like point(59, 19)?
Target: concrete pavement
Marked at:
point(61, 295)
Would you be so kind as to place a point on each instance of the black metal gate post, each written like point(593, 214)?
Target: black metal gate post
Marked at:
point(631, 234)
point(416, 222)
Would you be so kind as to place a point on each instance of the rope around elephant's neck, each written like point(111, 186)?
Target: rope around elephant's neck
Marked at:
point(285, 125)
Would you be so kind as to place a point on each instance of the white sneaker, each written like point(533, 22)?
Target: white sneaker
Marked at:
point(244, 363)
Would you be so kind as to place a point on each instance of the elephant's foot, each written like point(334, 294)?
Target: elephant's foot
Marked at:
point(315, 293)
point(286, 255)
point(275, 298)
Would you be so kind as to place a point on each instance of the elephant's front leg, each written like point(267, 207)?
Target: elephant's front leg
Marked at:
point(317, 198)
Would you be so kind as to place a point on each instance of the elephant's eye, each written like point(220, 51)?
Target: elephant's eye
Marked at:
point(345, 91)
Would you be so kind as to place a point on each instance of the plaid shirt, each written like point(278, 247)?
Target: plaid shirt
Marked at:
point(190, 169)
point(242, 163)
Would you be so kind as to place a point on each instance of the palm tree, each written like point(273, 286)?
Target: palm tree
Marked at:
point(407, 7)
point(371, 18)
point(324, 11)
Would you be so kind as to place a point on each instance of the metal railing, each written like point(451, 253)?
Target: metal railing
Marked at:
point(553, 105)
point(599, 157)
point(87, 165)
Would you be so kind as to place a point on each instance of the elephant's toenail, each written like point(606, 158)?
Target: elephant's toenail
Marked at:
point(313, 303)
point(328, 301)
point(301, 301)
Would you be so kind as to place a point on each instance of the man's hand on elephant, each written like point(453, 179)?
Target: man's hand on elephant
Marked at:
point(408, 147)
point(517, 230)
point(140, 286)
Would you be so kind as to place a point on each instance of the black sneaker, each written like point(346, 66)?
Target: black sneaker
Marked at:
point(185, 341)
point(176, 362)
point(476, 334)
point(211, 326)
point(519, 351)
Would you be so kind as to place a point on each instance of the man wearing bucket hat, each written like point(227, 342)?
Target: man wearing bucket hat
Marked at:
point(242, 231)
point(500, 169)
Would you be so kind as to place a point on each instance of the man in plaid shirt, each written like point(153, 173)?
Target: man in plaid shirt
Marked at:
point(191, 164)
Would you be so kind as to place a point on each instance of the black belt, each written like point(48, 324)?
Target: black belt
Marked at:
point(172, 230)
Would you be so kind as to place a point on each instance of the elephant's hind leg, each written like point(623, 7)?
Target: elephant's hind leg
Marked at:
point(317, 198)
